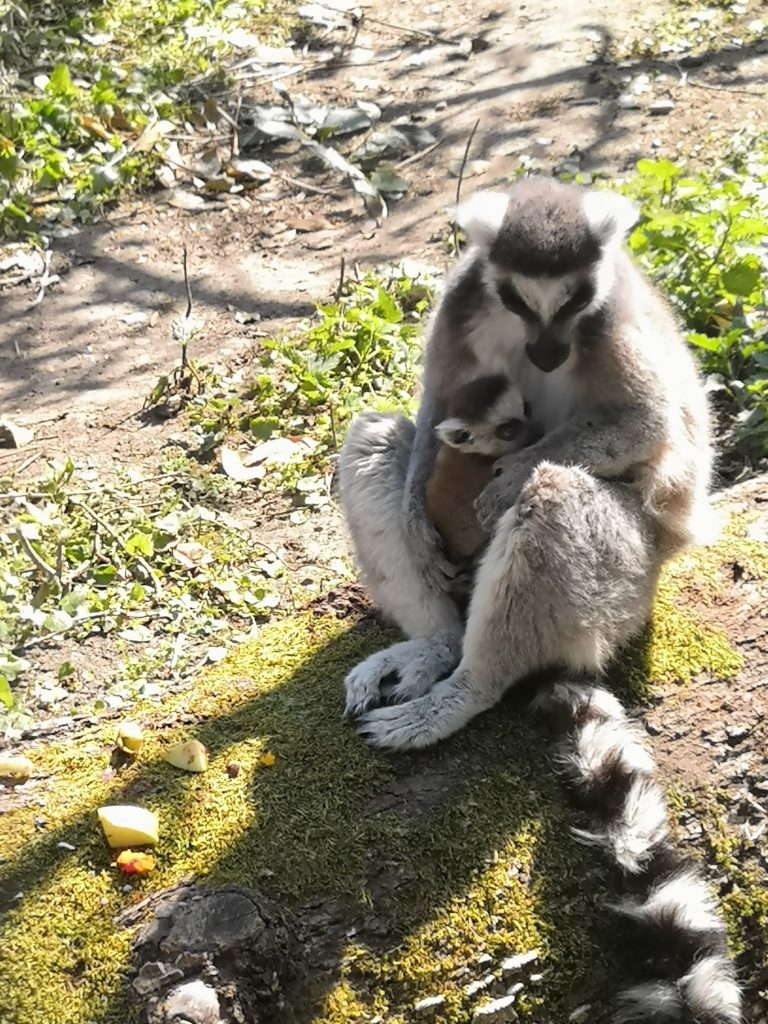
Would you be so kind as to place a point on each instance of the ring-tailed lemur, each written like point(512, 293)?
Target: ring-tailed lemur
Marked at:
point(487, 418)
point(581, 522)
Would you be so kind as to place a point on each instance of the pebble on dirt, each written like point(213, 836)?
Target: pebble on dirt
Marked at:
point(500, 1011)
point(429, 1004)
point(515, 964)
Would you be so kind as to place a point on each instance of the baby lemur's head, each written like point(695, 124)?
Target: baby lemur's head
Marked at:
point(488, 416)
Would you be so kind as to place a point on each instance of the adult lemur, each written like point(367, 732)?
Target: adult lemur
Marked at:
point(581, 523)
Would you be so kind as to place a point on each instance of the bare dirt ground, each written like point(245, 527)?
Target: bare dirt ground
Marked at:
point(544, 81)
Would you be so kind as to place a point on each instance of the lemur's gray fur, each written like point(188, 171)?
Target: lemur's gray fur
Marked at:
point(581, 524)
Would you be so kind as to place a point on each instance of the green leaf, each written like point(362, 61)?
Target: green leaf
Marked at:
point(263, 427)
point(6, 697)
point(60, 82)
point(103, 575)
point(742, 278)
point(663, 169)
point(140, 544)
point(706, 342)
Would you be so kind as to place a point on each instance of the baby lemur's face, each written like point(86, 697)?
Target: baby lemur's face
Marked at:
point(488, 416)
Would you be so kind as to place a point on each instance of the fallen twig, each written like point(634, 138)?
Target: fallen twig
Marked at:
point(458, 183)
point(46, 278)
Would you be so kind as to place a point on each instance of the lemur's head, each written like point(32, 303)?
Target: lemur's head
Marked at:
point(488, 416)
point(550, 257)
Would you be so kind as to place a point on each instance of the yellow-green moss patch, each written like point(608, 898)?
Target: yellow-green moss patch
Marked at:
point(483, 864)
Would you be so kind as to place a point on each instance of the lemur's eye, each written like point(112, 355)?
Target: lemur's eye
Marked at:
point(527, 411)
point(508, 430)
point(460, 436)
point(513, 301)
point(580, 299)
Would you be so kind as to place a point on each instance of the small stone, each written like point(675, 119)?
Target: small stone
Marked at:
point(760, 785)
point(652, 730)
point(441, 105)
point(661, 107)
point(500, 1011)
point(194, 1002)
point(155, 975)
point(515, 964)
point(737, 733)
point(514, 990)
point(233, 770)
point(628, 101)
point(580, 1013)
point(536, 979)
point(484, 960)
point(429, 1004)
point(476, 987)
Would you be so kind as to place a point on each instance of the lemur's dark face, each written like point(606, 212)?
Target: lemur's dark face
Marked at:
point(551, 252)
point(487, 416)
point(549, 308)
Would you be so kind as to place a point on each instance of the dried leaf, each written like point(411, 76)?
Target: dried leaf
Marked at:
point(192, 555)
point(234, 468)
point(253, 170)
point(12, 435)
point(151, 135)
point(184, 200)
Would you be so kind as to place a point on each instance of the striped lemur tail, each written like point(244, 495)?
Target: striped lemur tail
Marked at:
point(605, 762)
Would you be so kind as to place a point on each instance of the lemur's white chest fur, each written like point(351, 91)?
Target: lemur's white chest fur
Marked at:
point(499, 348)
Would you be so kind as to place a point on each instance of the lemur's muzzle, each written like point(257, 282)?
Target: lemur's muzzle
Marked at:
point(547, 352)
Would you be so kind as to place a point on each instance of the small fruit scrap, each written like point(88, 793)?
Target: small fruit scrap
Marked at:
point(268, 759)
point(190, 756)
point(129, 738)
point(16, 769)
point(132, 862)
point(126, 826)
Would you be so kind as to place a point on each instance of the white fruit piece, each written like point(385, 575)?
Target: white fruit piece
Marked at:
point(190, 756)
point(17, 769)
point(126, 826)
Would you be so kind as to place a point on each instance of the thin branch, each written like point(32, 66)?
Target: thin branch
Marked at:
point(459, 182)
point(417, 156)
point(37, 558)
point(187, 286)
point(340, 285)
point(119, 540)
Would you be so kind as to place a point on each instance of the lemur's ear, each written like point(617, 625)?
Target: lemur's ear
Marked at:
point(481, 216)
point(610, 215)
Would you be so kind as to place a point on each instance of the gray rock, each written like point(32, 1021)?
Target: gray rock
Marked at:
point(737, 733)
point(581, 1013)
point(628, 101)
point(154, 976)
point(481, 985)
point(194, 1002)
point(429, 1004)
point(515, 990)
point(514, 965)
point(661, 107)
point(500, 1011)
point(484, 960)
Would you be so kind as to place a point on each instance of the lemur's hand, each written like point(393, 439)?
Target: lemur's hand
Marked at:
point(428, 551)
point(510, 474)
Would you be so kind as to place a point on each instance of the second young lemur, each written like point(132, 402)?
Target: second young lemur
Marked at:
point(487, 418)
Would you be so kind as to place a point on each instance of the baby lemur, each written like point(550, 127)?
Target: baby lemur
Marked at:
point(487, 418)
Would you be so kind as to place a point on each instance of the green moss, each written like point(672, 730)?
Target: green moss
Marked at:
point(475, 862)
point(479, 866)
point(745, 901)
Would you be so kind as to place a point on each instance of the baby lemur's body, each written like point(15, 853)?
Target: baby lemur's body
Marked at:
point(487, 418)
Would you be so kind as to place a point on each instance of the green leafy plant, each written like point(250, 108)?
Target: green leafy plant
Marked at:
point(703, 238)
point(81, 129)
point(361, 351)
point(141, 559)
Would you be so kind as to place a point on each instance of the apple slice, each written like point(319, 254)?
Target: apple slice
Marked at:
point(190, 756)
point(125, 825)
point(17, 769)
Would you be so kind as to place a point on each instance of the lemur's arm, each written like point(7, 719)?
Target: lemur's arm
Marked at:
point(425, 542)
point(607, 441)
